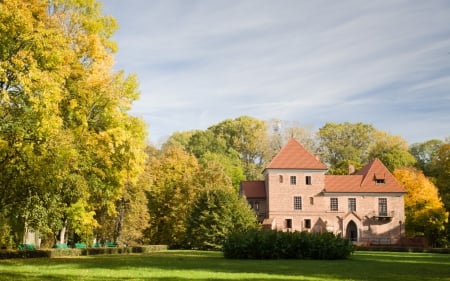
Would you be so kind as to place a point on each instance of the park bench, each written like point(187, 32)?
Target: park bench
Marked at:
point(60, 246)
point(26, 247)
point(111, 244)
point(80, 245)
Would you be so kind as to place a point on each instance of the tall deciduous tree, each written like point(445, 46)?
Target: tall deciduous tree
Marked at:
point(391, 150)
point(171, 192)
point(67, 143)
point(216, 212)
point(424, 210)
point(247, 136)
point(345, 141)
point(426, 155)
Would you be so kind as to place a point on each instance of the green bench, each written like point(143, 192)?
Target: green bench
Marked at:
point(111, 244)
point(80, 245)
point(26, 247)
point(60, 246)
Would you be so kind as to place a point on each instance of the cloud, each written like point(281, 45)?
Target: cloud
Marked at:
point(200, 62)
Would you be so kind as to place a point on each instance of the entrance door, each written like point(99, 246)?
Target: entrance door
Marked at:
point(352, 231)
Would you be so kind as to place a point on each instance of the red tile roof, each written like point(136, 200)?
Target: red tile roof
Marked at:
point(364, 180)
point(253, 189)
point(294, 156)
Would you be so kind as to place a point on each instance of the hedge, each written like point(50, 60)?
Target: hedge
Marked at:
point(73, 252)
point(261, 244)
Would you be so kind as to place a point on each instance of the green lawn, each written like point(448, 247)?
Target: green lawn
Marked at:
point(193, 265)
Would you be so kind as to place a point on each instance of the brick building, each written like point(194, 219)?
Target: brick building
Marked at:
point(296, 195)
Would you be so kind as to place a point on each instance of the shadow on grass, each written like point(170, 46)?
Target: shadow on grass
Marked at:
point(188, 265)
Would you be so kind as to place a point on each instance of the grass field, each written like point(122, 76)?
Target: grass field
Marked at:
point(193, 265)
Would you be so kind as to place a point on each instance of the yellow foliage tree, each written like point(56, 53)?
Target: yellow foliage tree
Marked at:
point(425, 212)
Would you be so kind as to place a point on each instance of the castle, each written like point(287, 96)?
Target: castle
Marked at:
point(297, 195)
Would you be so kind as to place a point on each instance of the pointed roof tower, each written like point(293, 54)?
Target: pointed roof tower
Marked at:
point(294, 156)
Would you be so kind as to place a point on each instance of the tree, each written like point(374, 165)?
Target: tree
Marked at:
point(424, 210)
point(426, 155)
point(247, 136)
point(172, 189)
point(67, 143)
point(391, 150)
point(217, 212)
point(345, 141)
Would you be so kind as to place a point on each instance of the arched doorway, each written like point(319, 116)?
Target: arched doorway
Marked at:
point(352, 231)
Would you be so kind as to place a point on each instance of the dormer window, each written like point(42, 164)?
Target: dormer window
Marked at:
point(380, 181)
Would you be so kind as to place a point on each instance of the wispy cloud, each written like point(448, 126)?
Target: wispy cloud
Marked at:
point(199, 62)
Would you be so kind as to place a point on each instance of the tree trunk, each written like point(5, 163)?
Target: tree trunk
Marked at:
point(62, 234)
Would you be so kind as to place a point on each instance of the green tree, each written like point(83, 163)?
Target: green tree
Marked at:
point(345, 141)
point(426, 155)
point(247, 136)
point(391, 150)
point(171, 192)
point(217, 212)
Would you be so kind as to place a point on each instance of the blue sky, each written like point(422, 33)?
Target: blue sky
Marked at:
point(386, 63)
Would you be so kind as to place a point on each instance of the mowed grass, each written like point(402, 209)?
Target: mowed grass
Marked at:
point(197, 265)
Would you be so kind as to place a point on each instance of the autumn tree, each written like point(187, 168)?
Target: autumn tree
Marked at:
point(67, 142)
point(424, 210)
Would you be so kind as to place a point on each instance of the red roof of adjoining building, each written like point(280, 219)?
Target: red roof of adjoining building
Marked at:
point(253, 189)
point(294, 156)
point(374, 177)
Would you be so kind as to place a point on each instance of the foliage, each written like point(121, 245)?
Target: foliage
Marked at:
point(171, 192)
point(424, 210)
point(345, 141)
point(286, 245)
point(67, 142)
point(391, 150)
point(216, 212)
point(426, 155)
point(247, 136)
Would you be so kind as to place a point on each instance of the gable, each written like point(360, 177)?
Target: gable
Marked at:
point(294, 156)
point(374, 177)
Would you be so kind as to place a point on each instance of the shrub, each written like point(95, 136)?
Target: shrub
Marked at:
point(256, 244)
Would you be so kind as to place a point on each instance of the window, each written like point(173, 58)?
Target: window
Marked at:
point(308, 180)
point(293, 180)
point(297, 202)
point(288, 223)
point(308, 223)
point(382, 207)
point(256, 205)
point(333, 204)
point(280, 177)
point(380, 181)
point(311, 200)
point(352, 204)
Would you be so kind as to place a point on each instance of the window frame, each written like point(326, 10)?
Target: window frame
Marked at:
point(308, 180)
point(382, 207)
point(334, 204)
point(352, 204)
point(298, 203)
point(293, 180)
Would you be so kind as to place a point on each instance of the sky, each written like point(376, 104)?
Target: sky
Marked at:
point(385, 63)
